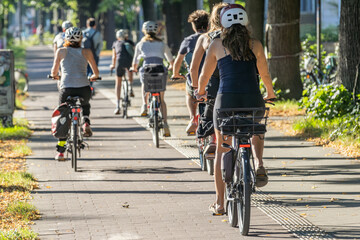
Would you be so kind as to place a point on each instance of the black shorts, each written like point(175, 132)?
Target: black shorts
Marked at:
point(120, 71)
point(83, 92)
point(236, 100)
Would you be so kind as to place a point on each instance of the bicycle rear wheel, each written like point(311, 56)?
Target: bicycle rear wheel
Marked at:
point(244, 198)
point(156, 130)
point(232, 208)
point(125, 97)
point(74, 147)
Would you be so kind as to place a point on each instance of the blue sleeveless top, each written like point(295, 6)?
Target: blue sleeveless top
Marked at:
point(238, 76)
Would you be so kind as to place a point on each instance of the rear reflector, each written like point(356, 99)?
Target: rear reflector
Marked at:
point(244, 145)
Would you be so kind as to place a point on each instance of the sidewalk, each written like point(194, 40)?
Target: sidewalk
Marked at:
point(128, 189)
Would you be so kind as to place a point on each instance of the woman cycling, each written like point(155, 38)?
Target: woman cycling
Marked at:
point(74, 82)
point(153, 51)
point(122, 55)
point(237, 57)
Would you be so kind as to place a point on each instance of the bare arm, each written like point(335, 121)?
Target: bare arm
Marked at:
point(112, 66)
point(177, 65)
point(263, 69)
point(55, 48)
point(60, 54)
point(196, 60)
point(208, 68)
point(90, 59)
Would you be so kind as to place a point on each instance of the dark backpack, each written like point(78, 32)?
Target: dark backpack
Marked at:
point(61, 121)
point(88, 41)
point(126, 55)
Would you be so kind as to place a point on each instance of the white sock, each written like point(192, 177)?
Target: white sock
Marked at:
point(118, 103)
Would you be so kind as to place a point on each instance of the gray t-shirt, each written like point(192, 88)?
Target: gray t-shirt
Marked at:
point(73, 69)
point(59, 39)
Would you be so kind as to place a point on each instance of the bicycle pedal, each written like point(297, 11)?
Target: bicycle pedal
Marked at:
point(191, 133)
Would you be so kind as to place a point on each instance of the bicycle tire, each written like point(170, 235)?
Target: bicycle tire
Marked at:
point(21, 80)
point(201, 155)
point(74, 147)
point(126, 97)
point(156, 129)
point(210, 166)
point(244, 198)
point(231, 209)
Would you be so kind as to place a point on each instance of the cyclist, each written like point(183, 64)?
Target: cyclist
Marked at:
point(212, 87)
point(130, 46)
point(59, 38)
point(122, 54)
point(199, 21)
point(153, 51)
point(238, 57)
point(74, 82)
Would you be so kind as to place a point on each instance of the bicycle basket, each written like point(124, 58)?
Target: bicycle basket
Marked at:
point(155, 78)
point(242, 121)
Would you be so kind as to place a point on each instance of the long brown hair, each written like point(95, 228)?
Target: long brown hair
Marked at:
point(215, 16)
point(151, 37)
point(72, 44)
point(236, 39)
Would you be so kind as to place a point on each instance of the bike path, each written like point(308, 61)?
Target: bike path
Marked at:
point(126, 188)
point(313, 191)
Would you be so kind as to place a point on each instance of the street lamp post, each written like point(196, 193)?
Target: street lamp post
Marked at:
point(318, 32)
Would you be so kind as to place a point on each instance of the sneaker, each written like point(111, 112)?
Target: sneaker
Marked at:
point(132, 93)
point(117, 111)
point(191, 128)
point(87, 130)
point(60, 156)
point(143, 112)
point(166, 130)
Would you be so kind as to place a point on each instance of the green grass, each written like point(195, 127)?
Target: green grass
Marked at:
point(26, 210)
point(22, 149)
point(22, 180)
point(15, 132)
point(286, 105)
point(310, 127)
point(18, 234)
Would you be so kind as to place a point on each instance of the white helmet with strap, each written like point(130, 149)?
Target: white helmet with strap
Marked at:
point(73, 34)
point(233, 14)
point(150, 27)
point(67, 24)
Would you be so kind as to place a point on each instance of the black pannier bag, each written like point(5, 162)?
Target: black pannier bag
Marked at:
point(227, 165)
point(61, 121)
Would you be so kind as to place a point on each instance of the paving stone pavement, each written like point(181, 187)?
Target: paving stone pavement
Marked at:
point(126, 188)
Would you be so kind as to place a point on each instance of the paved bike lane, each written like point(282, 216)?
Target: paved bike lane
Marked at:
point(126, 188)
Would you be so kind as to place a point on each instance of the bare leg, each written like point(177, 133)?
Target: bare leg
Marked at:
point(144, 94)
point(118, 87)
point(191, 105)
point(219, 183)
point(163, 107)
point(257, 150)
point(130, 76)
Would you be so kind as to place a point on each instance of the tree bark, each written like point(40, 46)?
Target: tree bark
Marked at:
point(108, 27)
point(173, 24)
point(188, 6)
point(255, 10)
point(149, 10)
point(283, 45)
point(349, 45)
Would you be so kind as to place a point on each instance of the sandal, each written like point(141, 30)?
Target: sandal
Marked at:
point(261, 177)
point(216, 211)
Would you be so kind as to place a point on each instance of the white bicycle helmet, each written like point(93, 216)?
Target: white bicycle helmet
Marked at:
point(73, 34)
point(67, 24)
point(121, 33)
point(233, 14)
point(150, 27)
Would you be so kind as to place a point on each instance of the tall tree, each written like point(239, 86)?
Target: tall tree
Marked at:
point(349, 45)
point(173, 23)
point(188, 6)
point(149, 10)
point(283, 45)
point(255, 10)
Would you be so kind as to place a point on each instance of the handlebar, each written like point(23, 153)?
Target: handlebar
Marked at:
point(270, 101)
point(178, 78)
point(55, 77)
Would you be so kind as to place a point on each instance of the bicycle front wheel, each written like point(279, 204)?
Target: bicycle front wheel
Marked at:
point(244, 198)
point(74, 147)
point(156, 130)
point(125, 89)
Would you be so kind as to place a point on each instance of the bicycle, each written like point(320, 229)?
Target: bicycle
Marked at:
point(75, 142)
point(313, 74)
point(125, 103)
point(205, 143)
point(21, 80)
point(238, 170)
point(154, 83)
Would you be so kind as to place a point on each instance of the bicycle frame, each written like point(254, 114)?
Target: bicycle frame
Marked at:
point(155, 116)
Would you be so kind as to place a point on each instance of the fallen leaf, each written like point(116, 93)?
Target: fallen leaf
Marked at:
point(299, 199)
point(333, 199)
point(224, 220)
point(48, 186)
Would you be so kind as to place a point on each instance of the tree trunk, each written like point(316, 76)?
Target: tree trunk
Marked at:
point(349, 45)
point(255, 10)
point(107, 23)
point(188, 6)
point(149, 10)
point(283, 45)
point(173, 24)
